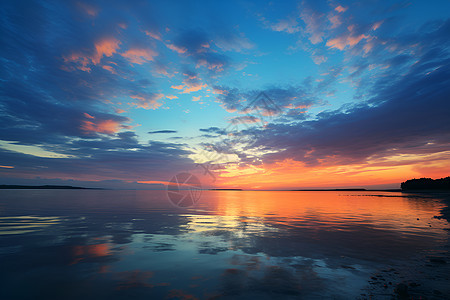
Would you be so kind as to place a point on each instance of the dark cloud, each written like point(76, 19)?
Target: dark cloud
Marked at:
point(268, 101)
point(405, 115)
point(162, 131)
point(197, 45)
point(121, 158)
point(215, 130)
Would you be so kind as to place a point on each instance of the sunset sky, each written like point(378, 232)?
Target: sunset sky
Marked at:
point(242, 94)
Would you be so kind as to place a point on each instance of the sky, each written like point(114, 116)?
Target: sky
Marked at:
point(241, 94)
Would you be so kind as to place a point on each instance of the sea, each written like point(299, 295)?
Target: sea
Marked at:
point(138, 244)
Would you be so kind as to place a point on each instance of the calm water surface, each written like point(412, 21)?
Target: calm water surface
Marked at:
point(87, 244)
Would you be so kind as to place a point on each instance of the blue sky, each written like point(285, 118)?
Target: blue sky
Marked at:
point(361, 87)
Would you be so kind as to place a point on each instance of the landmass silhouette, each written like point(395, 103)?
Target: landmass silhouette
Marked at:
point(426, 184)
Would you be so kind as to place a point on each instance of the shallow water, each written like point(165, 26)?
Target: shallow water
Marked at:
point(93, 244)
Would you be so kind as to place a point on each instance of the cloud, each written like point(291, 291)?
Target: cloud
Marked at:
point(340, 9)
point(112, 157)
point(404, 115)
point(287, 25)
point(215, 130)
point(105, 47)
point(345, 40)
point(139, 55)
point(197, 45)
point(88, 9)
point(230, 41)
point(314, 22)
point(162, 131)
point(104, 126)
point(155, 35)
point(147, 101)
point(244, 120)
point(234, 99)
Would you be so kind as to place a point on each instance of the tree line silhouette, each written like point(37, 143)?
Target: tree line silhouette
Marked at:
point(427, 184)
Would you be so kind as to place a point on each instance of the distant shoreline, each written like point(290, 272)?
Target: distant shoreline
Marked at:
point(44, 187)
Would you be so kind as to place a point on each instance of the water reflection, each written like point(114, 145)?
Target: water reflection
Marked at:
point(122, 244)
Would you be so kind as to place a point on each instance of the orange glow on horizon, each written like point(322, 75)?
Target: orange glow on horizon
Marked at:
point(290, 174)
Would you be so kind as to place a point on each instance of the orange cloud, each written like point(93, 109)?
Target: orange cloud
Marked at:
point(219, 91)
point(104, 47)
point(7, 167)
point(155, 182)
point(189, 87)
point(193, 87)
point(105, 126)
point(139, 55)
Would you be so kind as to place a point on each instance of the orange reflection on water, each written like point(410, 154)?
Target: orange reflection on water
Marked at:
point(81, 252)
point(330, 208)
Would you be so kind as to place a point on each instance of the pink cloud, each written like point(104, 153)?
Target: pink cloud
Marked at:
point(319, 59)
point(180, 50)
point(289, 26)
point(188, 87)
point(88, 116)
point(154, 35)
point(88, 9)
point(81, 60)
point(171, 97)
point(377, 25)
point(120, 111)
point(161, 69)
point(193, 87)
point(335, 21)
point(105, 47)
point(345, 40)
point(109, 68)
point(219, 91)
point(123, 25)
point(340, 9)
point(212, 66)
point(139, 55)
point(314, 25)
point(147, 102)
